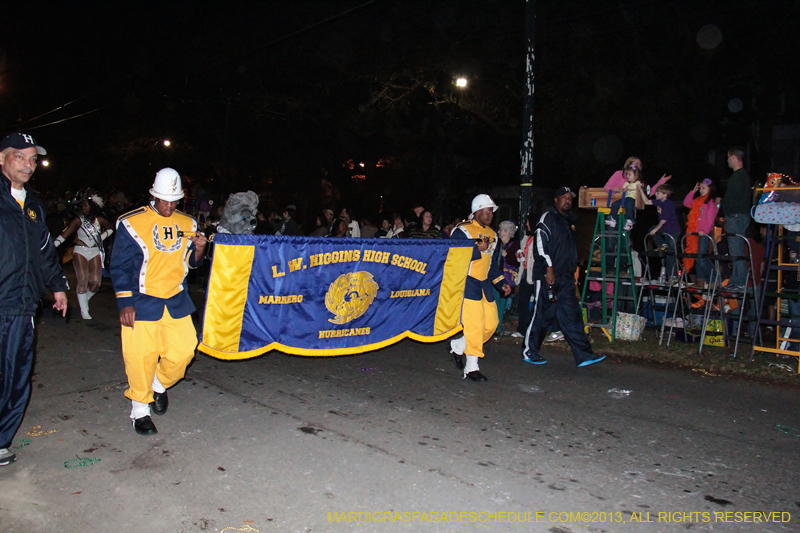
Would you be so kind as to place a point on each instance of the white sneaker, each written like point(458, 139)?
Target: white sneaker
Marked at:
point(554, 336)
point(516, 334)
point(628, 226)
point(7, 457)
point(611, 223)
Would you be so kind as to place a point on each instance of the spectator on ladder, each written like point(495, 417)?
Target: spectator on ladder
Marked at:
point(555, 299)
point(703, 211)
point(668, 230)
point(757, 250)
point(736, 205)
point(617, 179)
point(631, 189)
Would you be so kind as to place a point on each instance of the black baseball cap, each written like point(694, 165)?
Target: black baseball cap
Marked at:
point(20, 141)
point(565, 190)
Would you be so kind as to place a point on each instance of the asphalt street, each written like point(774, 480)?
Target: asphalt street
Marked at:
point(395, 440)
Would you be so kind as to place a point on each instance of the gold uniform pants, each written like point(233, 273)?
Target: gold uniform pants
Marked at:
point(479, 318)
point(163, 348)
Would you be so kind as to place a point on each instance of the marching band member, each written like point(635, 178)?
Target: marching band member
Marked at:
point(479, 310)
point(154, 249)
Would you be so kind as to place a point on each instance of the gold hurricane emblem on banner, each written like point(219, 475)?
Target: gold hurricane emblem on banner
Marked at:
point(350, 295)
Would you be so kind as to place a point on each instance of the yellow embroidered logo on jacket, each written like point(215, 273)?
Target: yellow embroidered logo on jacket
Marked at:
point(168, 234)
point(350, 296)
point(31, 214)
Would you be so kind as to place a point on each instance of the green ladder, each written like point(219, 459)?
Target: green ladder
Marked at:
point(599, 246)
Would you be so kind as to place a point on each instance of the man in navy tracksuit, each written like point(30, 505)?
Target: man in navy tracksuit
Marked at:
point(30, 266)
point(556, 258)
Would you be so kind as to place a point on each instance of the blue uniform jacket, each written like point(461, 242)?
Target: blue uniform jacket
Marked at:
point(30, 263)
point(555, 245)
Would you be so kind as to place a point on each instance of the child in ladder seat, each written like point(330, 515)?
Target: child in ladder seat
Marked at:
point(668, 226)
point(618, 180)
point(630, 190)
point(703, 211)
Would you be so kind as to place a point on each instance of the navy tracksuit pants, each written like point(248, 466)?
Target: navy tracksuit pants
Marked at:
point(16, 361)
point(565, 311)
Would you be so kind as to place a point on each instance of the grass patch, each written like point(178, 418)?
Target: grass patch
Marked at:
point(716, 361)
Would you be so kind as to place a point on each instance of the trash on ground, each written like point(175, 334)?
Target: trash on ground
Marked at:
point(79, 462)
point(789, 430)
point(619, 393)
point(37, 432)
point(243, 528)
point(782, 366)
point(703, 371)
point(25, 442)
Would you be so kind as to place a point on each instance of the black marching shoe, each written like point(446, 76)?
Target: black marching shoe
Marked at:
point(144, 426)
point(475, 375)
point(458, 353)
point(458, 359)
point(160, 403)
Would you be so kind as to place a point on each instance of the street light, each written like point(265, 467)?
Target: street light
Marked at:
point(166, 142)
point(461, 82)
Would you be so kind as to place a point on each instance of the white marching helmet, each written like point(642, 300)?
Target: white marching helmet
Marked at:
point(167, 185)
point(482, 201)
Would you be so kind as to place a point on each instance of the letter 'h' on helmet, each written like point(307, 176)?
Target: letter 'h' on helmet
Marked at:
point(167, 185)
point(482, 201)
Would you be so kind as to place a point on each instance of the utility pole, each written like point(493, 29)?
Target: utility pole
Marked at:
point(526, 153)
point(224, 173)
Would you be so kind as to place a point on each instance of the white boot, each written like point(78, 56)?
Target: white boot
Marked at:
point(139, 410)
point(458, 345)
point(471, 369)
point(472, 364)
point(83, 302)
point(157, 386)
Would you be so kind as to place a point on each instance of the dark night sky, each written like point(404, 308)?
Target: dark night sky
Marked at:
point(271, 95)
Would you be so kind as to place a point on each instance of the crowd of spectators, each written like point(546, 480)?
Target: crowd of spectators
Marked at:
point(417, 222)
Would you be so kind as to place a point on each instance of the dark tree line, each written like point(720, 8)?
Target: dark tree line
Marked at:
point(275, 96)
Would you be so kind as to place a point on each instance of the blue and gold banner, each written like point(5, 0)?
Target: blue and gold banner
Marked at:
point(330, 296)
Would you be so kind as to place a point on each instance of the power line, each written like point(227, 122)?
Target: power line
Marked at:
point(211, 68)
point(62, 120)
